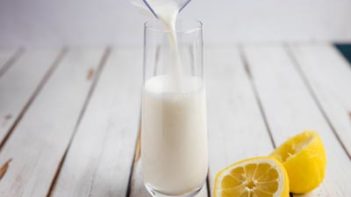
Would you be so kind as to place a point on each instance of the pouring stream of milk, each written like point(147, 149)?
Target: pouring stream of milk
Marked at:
point(167, 11)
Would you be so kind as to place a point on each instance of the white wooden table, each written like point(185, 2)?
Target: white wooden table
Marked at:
point(69, 117)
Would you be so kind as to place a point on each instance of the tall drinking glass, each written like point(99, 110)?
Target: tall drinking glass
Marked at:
point(173, 123)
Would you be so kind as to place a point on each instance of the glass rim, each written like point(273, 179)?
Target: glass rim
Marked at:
point(157, 26)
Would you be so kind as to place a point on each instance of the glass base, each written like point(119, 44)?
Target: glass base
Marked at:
point(155, 193)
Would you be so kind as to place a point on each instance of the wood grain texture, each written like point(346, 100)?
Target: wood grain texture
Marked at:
point(40, 139)
point(290, 108)
point(20, 85)
point(101, 155)
point(235, 124)
point(252, 93)
point(329, 77)
point(4, 167)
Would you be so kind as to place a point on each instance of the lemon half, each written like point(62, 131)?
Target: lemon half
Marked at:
point(304, 158)
point(255, 177)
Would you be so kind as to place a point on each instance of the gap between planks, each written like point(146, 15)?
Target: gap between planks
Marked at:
point(37, 90)
point(233, 109)
point(258, 100)
point(137, 157)
point(308, 85)
point(254, 89)
point(96, 78)
point(318, 74)
point(6, 66)
point(98, 162)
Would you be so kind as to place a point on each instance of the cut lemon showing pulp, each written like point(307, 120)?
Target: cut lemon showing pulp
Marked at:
point(304, 158)
point(255, 177)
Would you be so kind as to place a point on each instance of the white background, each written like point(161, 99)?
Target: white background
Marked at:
point(117, 22)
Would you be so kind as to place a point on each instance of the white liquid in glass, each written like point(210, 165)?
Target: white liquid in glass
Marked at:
point(174, 135)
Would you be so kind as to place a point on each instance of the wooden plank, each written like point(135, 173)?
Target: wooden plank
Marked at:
point(101, 155)
point(290, 108)
point(40, 139)
point(235, 122)
point(7, 57)
point(21, 84)
point(328, 75)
